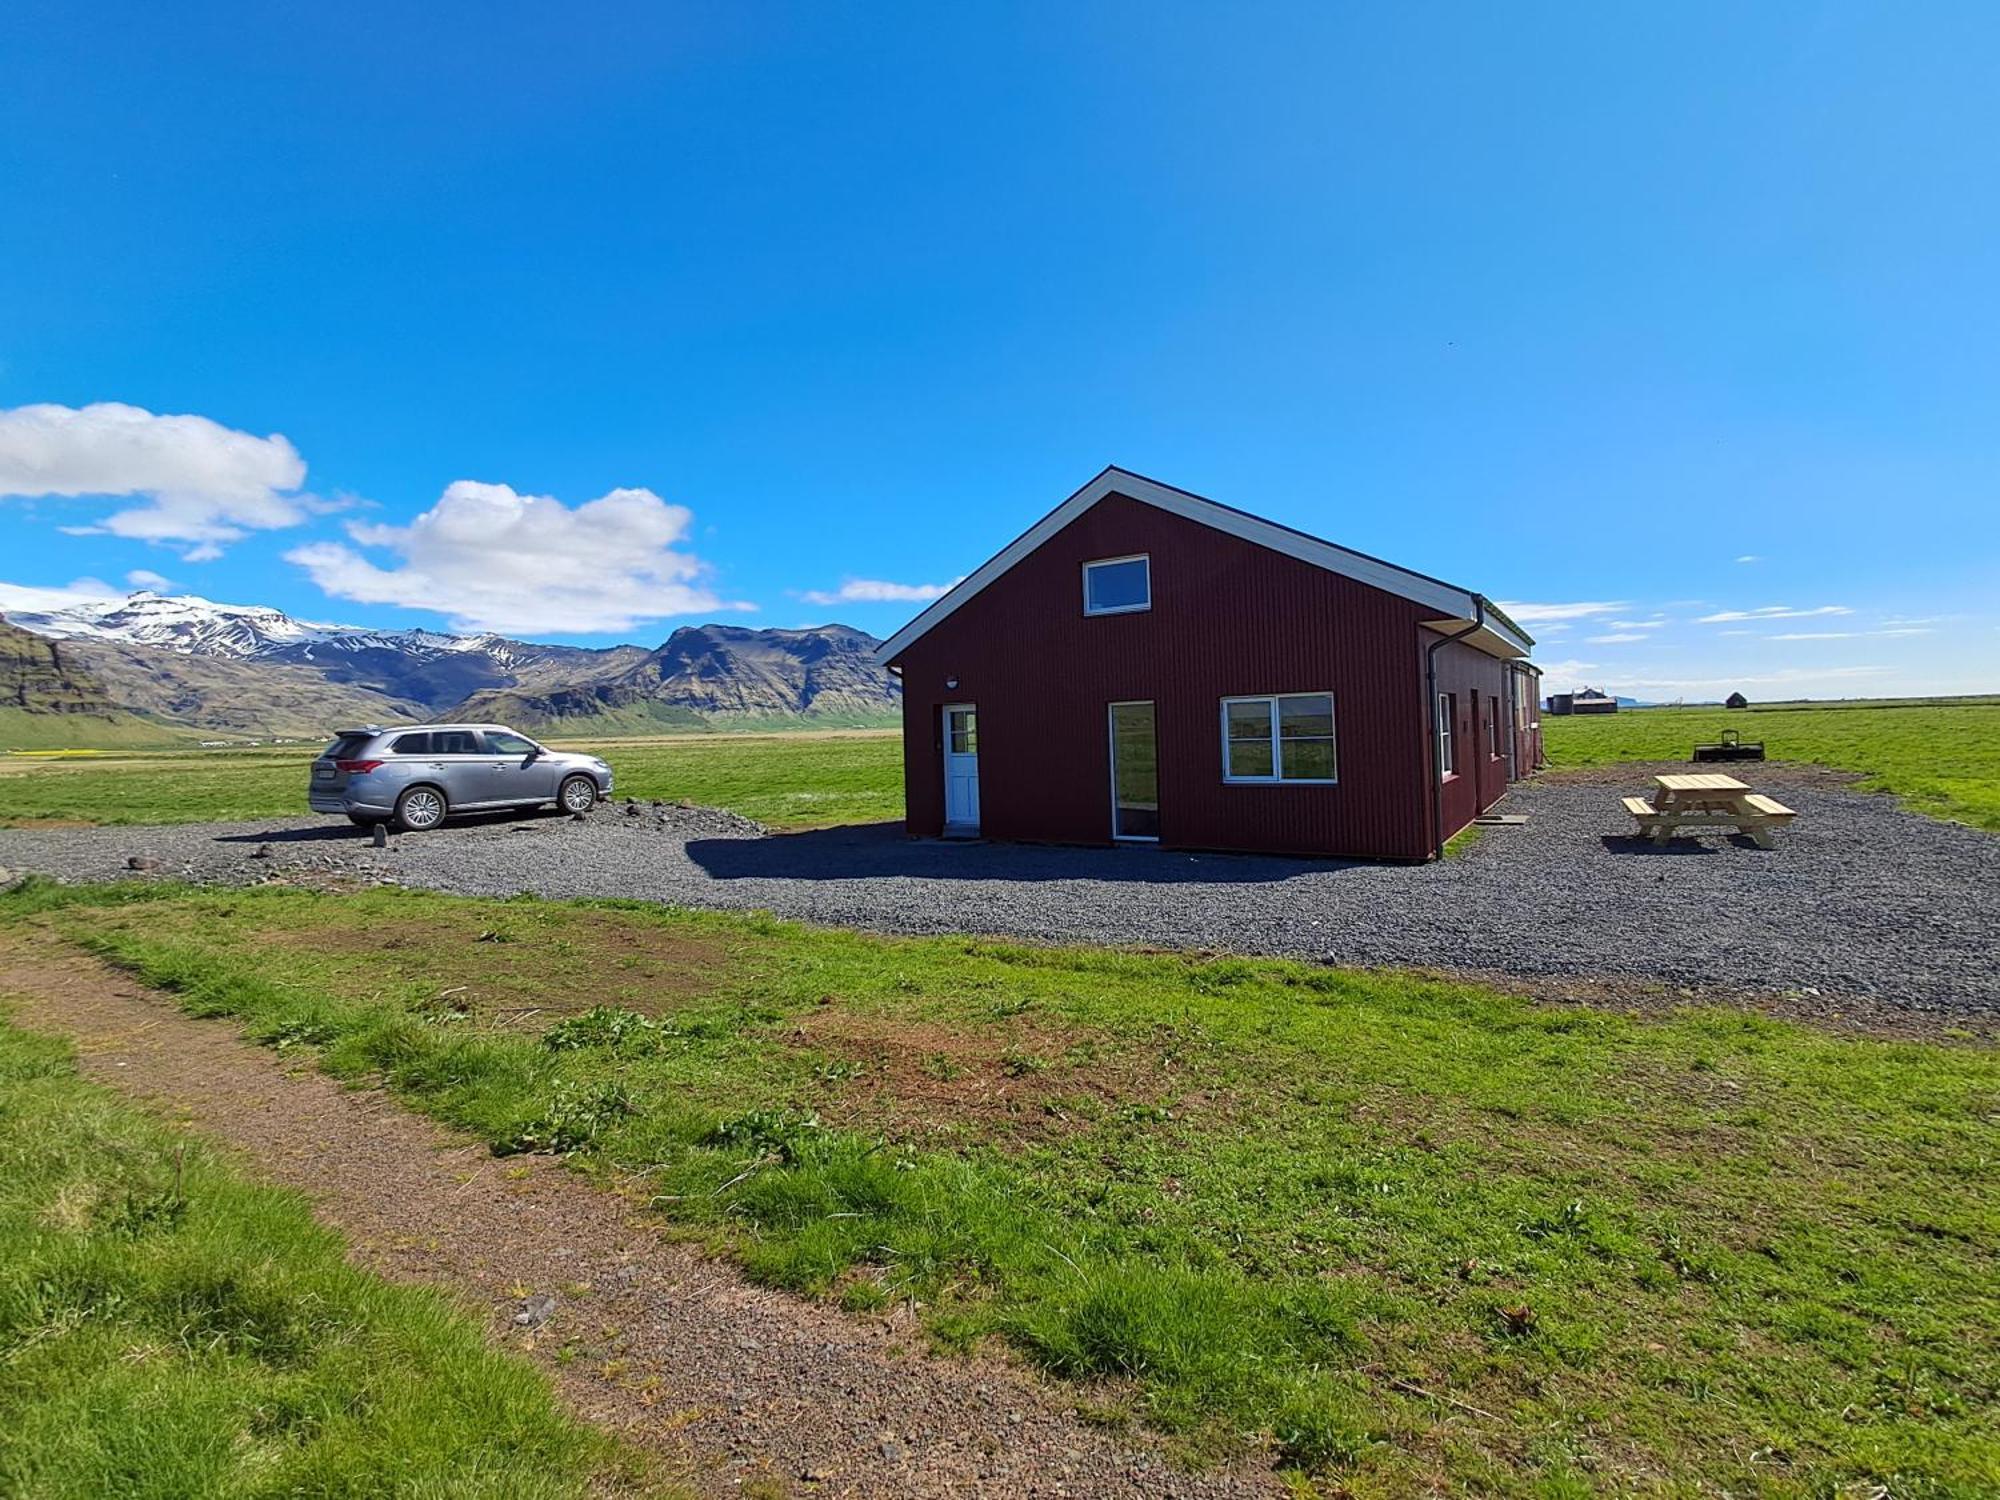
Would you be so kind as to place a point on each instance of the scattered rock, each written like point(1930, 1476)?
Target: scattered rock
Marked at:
point(381, 836)
point(631, 808)
point(535, 1311)
point(142, 862)
point(579, 817)
point(262, 851)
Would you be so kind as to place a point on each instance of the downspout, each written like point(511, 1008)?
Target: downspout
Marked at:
point(1431, 696)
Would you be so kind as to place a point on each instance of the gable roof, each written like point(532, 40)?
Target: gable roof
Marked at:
point(1456, 608)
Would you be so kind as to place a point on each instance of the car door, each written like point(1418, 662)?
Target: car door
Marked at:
point(458, 764)
point(517, 770)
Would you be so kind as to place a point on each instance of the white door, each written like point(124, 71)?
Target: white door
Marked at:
point(961, 768)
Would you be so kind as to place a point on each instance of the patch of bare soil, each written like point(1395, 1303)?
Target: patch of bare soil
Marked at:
point(596, 959)
point(1017, 1081)
point(733, 1384)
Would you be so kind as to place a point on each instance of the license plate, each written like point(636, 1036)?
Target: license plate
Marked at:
point(322, 773)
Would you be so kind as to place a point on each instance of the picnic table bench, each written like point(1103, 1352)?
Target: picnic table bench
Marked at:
point(1707, 800)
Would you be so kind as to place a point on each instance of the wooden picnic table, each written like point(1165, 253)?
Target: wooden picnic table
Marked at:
point(1707, 800)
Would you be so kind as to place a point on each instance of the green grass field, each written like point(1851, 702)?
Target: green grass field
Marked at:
point(794, 780)
point(1940, 756)
point(1413, 1236)
point(168, 1329)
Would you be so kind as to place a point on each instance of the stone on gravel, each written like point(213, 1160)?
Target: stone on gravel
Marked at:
point(535, 1311)
point(142, 862)
point(381, 837)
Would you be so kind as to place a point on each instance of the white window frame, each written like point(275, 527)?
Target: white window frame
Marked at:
point(1446, 751)
point(1118, 609)
point(1277, 776)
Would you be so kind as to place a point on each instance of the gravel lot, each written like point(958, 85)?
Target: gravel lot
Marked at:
point(1860, 902)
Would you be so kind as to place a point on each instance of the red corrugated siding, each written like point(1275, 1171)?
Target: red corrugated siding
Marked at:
point(1478, 684)
point(1228, 618)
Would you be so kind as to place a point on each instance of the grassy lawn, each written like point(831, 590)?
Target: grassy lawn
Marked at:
point(798, 780)
point(168, 1329)
point(1941, 757)
point(1412, 1236)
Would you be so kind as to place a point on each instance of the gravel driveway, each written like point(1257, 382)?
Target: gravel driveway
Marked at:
point(1859, 901)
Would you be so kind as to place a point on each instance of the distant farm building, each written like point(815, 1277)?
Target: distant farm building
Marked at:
point(1143, 665)
point(1736, 700)
point(1589, 701)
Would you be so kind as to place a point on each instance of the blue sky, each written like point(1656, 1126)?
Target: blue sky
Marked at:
point(1676, 323)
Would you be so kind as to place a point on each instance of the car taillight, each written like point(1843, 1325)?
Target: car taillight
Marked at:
point(357, 767)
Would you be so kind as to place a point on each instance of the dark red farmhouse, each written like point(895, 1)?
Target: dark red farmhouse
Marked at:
point(1146, 665)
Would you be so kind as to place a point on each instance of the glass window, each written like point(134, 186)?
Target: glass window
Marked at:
point(454, 742)
point(1447, 754)
point(499, 742)
point(1249, 729)
point(1117, 586)
point(964, 724)
point(1287, 737)
point(412, 744)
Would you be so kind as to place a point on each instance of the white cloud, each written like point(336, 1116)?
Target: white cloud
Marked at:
point(1536, 614)
point(146, 578)
point(202, 483)
point(19, 596)
point(1773, 612)
point(1653, 624)
point(1565, 676)
point(1749, 557)
point(1789, 676)
point(876, 591)
point(1848, 635)
point(1616, 638)
point(490, 558)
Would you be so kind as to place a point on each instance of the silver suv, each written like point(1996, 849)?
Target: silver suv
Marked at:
point(417, 775)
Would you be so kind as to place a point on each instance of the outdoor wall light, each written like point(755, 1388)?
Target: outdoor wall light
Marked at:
point(951, 684)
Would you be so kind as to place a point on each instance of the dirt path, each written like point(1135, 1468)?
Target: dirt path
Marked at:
point(731, 1382)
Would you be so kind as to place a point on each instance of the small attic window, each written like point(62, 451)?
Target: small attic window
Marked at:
point(1117, 585)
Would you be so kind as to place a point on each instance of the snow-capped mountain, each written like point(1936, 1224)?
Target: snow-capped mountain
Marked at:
point(184, 660)
point(195, 626)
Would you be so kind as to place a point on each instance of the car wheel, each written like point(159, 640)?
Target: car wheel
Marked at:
point(578, 795)
point(420, 808)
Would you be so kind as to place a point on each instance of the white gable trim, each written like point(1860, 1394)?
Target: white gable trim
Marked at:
point(1454, 605)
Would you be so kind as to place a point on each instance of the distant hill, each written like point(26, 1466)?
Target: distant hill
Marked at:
point(49, 699)
point(190, 664)
point(706, 673)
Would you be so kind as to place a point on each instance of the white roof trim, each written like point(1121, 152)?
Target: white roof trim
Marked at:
point(1454, 604)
